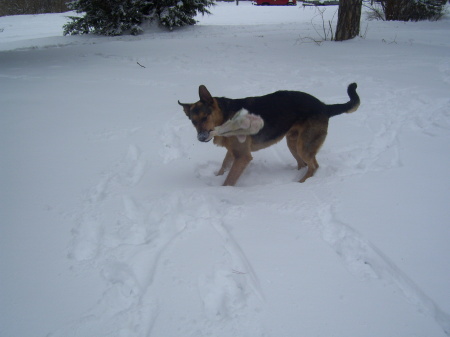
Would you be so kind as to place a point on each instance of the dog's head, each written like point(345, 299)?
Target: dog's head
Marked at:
point(204, 114)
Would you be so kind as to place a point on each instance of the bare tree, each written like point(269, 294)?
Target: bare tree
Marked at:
point(349, 16)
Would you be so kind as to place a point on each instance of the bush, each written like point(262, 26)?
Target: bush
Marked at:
point(117, 17)
point(408, 10)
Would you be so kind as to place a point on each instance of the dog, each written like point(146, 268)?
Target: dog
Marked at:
point(298, 116)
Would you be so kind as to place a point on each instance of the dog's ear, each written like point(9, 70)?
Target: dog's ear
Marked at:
point(205, 96)
point(186, 108)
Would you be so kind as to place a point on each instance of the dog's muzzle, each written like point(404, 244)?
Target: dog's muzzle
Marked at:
point(204, 136)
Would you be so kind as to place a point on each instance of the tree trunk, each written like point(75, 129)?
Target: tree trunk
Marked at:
point(349, 16)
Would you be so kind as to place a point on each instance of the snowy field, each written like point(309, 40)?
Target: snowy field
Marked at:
point(114, 224)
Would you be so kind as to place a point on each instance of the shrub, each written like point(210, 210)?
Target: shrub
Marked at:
point(117, 17)
point(408, 10)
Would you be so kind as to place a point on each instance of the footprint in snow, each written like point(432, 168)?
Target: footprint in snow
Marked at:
point(175, 141)
point(86, 240)
point(223, 294)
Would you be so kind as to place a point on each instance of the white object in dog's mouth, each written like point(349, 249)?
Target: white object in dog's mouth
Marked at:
point(241, 125)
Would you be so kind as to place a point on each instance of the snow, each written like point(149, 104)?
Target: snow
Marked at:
point(114, 224)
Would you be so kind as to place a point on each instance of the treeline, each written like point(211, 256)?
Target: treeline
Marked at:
point(16, 7)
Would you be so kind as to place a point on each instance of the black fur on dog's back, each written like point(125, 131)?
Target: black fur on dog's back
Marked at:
point(281, 109)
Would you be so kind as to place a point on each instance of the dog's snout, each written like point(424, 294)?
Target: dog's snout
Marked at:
point(203, 136)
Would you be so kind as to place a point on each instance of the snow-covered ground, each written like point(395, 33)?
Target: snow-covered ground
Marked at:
point(114, 224)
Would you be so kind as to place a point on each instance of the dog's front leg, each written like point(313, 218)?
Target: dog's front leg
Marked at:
point(227, 161)
point(240, 163)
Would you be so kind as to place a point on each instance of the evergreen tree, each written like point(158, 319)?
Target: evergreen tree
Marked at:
point(117, 17)
point(175, 13)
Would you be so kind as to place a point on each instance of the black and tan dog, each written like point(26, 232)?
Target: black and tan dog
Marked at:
point(302, 118)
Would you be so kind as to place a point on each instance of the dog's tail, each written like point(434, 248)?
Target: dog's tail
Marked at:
point(350, 106)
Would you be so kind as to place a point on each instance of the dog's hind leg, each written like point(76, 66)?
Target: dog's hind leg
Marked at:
point(291, 139)
point(309, 143)
point(227, 161)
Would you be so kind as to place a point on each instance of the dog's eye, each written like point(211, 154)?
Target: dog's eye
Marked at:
point(197, 122)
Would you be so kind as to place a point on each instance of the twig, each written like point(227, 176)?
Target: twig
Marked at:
point(392, 42)
point(328, 34)
point(363, 35)
point(310, 39)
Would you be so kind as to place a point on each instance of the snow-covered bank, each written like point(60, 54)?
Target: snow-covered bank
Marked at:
point(114, 224)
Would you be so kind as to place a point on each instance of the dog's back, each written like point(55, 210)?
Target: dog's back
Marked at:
point(283, 109)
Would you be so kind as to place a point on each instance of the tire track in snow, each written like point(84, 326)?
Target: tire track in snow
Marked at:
point(128, 261)
point(89, 230)
point(109, 222)
point(239, 259)
point(231, 294)
point(125, 240)
point(365, 260)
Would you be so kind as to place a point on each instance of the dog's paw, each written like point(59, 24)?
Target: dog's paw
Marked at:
point(220, 172)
